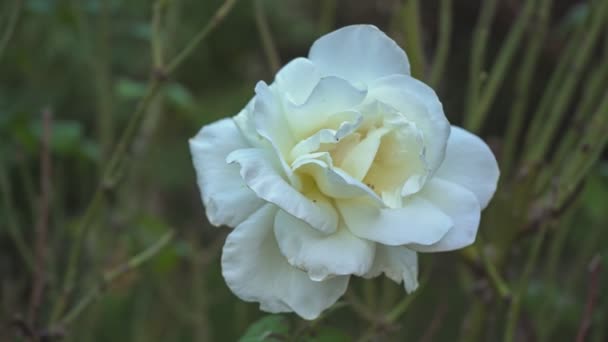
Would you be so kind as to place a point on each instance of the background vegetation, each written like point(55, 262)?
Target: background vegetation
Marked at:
point(102, 232)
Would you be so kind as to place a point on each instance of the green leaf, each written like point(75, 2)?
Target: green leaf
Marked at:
point(269, 328)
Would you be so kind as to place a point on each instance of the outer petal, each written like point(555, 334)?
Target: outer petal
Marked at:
point(297, 79)
point(259, 170)
point(461, 206)
point(270, 121)
point(419, 103)
point(358, 53)
point(255, 270)
point(398, 263)
point(418, 221)
point(470, 162)
point(322, 256)
point(221, 185)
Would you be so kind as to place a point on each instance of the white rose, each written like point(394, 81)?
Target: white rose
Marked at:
point(344, 165)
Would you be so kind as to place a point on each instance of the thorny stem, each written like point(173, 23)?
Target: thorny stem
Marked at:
point(110, 173)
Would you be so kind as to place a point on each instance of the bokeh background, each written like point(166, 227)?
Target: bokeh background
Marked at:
point(84, 65)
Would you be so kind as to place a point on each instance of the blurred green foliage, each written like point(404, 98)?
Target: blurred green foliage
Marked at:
point(89, 63)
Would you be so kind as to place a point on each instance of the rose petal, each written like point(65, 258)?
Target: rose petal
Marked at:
point(358, 53)
point(470, 162)
point(398, 263)
point(259, 170)
point(332, 181)
point(419, 103)
point(297, 79)
point(270, 121)
point(338, 126)
point(418, 221)
point(222, 188)
point(322, 256)
point(331, 95)
point(255, 270)
point(461, 206)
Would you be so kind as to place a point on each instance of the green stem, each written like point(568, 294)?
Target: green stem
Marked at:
point(270, 49)
point(443, 43)
point(559, 104)
point(480, 41)
point(413, 37)
point(475, 119)
point(500, 286)
point(522, 86)
point(592, 95)
point(586, 154)
point(111, 275)
point(520, 292)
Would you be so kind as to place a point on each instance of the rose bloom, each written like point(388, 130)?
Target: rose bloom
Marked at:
point(344, 165)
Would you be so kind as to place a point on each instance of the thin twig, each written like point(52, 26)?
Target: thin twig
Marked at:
point(595, 267)
point(41, 236)
point(217, 18)
point(111, 275)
